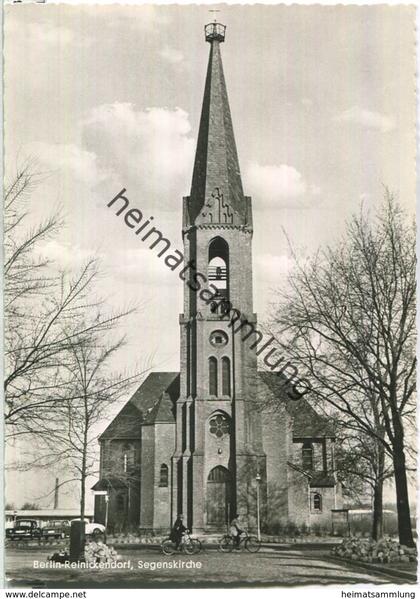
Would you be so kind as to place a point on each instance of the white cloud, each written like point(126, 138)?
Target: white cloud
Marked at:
point(48, 33)
point(69, 160)
point(273, 267)
point(171, 55)
point(65, 255)
point(135, 264)
point(366, 118)
point(149, 152)
point(280, 186)
point(41, 36)
point(315, 190)
point(150, 149)
point(147, 18)
point(277, 180)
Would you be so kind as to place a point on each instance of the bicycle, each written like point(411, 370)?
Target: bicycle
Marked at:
point(251, 544)
point(198, 547)
point(187, 545)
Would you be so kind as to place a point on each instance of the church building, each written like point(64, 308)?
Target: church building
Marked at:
point(219, 437)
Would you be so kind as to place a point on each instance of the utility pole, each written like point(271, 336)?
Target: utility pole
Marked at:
point(56, 493)
point(258, 479)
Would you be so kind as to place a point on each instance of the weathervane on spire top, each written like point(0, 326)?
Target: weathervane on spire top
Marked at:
point(215, 31)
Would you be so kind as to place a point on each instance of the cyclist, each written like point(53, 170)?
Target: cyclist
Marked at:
point(236, 530)
point(178, 530)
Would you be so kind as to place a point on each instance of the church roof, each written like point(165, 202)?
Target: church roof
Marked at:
point(307, 423)
point(156, 396)
point(125, 425)
point(152, 402)
point(107, 482)
point(317, 478)
point(216, 168)
point(322, 479)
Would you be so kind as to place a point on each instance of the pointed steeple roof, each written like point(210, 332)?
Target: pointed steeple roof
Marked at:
point(216, 190)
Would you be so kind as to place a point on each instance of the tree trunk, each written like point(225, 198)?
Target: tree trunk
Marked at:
point(83, 494)
point(82, 498)
point(377, 523)
point(84, 449)
point(403, 507)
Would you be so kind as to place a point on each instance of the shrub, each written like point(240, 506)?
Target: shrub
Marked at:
point(385, 550)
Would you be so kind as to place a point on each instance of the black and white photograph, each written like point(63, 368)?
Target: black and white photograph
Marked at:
point(209, 296)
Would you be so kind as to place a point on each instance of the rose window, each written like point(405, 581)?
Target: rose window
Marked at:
point(219, 425)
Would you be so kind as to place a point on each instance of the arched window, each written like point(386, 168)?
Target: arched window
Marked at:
point(213, 376)
point(164, 476)
point(128, 457)
point(218, 267)
point(317, 502)
point(225, 376)
point(307, 456)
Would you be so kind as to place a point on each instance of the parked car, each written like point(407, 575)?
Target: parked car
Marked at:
point(91, 527)
point(24, 529)
point(56, 529)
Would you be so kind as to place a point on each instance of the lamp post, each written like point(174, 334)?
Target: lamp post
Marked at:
point(106, 514)
point(258, 479)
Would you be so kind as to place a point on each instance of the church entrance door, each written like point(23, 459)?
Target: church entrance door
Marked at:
point(218, 497)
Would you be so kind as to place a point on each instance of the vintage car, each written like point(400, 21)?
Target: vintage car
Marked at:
point(56, 529)
point(92, 528)
point(24, 529)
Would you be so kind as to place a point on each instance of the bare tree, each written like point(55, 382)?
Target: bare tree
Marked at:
point(43, 315)
point(361, 465)
point(91, 389)
point(25, 269)
point(348, 324)
point(361, 457)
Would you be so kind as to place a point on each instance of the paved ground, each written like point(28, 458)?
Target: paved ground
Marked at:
point(268, 567)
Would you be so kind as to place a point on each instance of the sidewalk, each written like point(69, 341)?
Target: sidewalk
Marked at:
point(402, 571)
point(208, 542)
point(214, 539)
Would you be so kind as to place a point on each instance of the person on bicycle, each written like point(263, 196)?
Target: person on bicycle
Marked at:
point(236, 530)
point(178, 530)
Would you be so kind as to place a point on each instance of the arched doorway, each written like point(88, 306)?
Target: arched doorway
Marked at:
point(218, 497)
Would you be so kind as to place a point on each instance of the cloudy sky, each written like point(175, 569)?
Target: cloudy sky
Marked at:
point(105, 97)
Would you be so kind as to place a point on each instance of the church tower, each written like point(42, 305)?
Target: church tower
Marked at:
point(191, 442)
point(219, 457)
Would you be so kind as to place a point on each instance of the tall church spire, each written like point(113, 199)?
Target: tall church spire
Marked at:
point(216, 191)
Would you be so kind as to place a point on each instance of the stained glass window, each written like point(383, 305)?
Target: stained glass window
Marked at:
point(219, 425)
